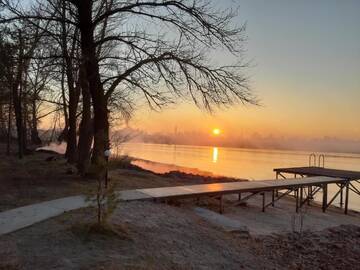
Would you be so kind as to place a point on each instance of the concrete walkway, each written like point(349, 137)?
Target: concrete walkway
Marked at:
point(18, 218)
point(227, 224)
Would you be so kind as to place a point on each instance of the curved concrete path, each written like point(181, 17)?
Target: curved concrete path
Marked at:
point(18, 218)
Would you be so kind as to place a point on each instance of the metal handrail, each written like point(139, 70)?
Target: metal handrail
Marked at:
point(310, 159)
point(321, 157)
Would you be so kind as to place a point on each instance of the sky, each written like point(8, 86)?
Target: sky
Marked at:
point(306, 72)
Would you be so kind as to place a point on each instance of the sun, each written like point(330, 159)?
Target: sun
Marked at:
point(216, 131)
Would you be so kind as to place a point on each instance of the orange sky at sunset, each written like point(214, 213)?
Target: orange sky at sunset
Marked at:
point(305, 71)
point(283, 117)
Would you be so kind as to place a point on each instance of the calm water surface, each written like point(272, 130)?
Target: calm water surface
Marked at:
point(236, 162)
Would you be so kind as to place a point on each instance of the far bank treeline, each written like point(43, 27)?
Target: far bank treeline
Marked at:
point(87, 63)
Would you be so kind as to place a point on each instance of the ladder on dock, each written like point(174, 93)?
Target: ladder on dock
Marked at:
point(320, 159)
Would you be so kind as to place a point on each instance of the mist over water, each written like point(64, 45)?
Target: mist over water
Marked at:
point(237, 162)
point(243, 139)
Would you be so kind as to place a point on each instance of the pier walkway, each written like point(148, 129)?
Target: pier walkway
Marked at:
point(303, 190)
point(312, 180)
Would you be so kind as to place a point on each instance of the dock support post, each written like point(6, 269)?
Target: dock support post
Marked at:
point(296, 193)
point(346, 197)
point(239, 197)
point(301, 196)
point(273, 198)
point(263, 201)
point(341, 195)
point(277, 177)
point(324, 202)
point(309, 195)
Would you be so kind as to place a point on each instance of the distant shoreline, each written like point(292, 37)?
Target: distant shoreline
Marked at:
point(263, 150)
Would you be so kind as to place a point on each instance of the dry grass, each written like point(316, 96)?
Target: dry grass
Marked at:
point(86, 230)
point(9, 259)
point(35, 179)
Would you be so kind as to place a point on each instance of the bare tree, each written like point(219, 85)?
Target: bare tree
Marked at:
point(38, 80)
point(146, 61)
point(6, 74)
point(156, 49)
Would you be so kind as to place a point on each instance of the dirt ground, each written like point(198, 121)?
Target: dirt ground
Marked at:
point(283, 218)
point(160, 236)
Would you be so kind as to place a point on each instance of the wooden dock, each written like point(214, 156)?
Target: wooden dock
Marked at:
point(320, 171)
point(346, 175)
point(303, 189)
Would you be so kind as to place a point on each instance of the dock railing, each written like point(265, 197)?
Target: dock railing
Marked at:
point(320, 159)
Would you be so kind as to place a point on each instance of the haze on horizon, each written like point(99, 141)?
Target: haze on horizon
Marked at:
point(305, 59)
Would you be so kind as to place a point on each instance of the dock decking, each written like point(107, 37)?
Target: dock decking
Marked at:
point(304, 189)
point(320, 171)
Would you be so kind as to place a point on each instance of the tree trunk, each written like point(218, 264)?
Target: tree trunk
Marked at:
point(9, 125)
point(16, 95)
point(86, 126)
point(24, 113)
point(35, 139)
point(18, 120)
point(63, 135)
point(2, 123)
point(71, 148)
point(89, 59)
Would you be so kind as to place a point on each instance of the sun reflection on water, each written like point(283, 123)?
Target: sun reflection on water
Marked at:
point(215, 154)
